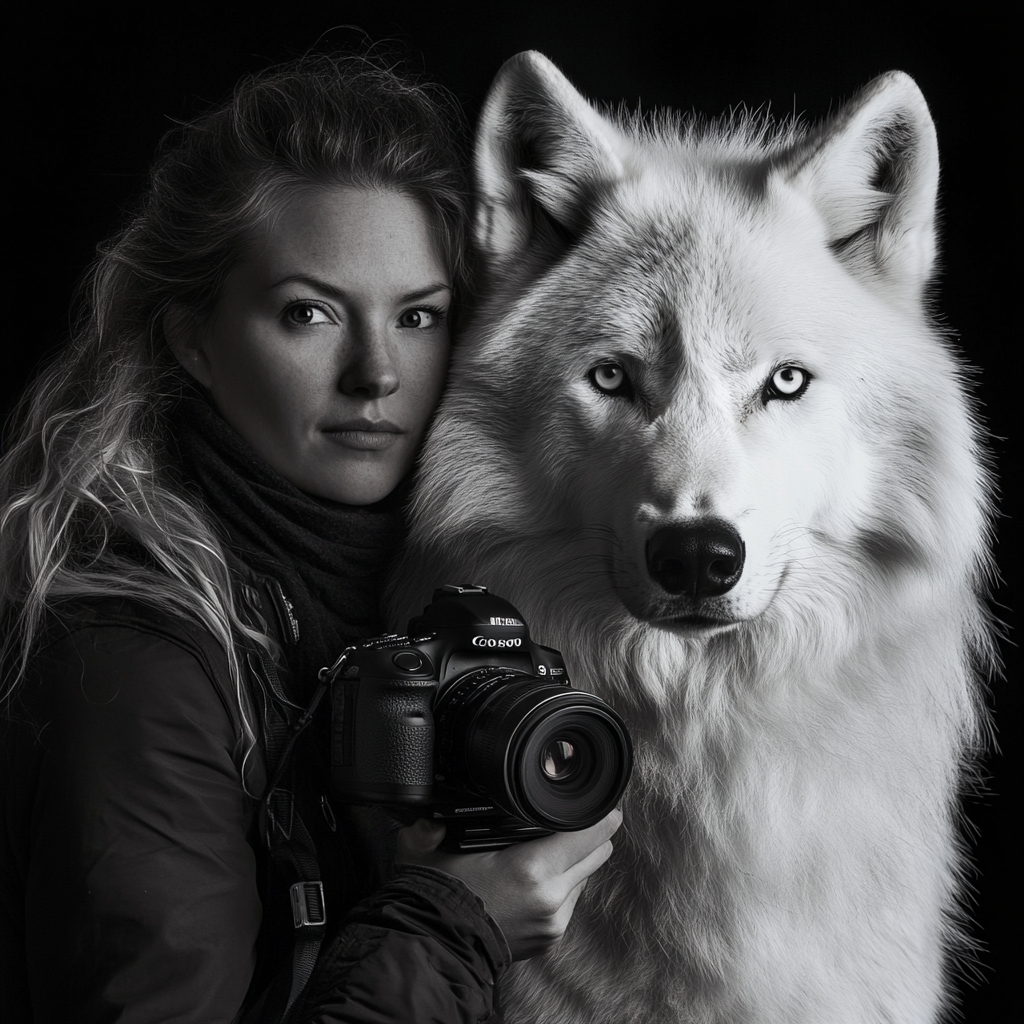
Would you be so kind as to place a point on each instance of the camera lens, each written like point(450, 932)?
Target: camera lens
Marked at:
point(558, 760)
point(582, 757)
point(556, 757)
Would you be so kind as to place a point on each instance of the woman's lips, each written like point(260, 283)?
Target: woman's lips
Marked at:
point(365, 435)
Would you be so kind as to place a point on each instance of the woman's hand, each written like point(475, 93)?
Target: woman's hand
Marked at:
point(529, 889)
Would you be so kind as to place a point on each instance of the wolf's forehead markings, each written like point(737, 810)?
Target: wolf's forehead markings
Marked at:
point(681, 268)
point(670, 278)
point(681, 232)
point(655, 242)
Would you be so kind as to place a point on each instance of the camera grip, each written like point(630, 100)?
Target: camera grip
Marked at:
point(383, 744)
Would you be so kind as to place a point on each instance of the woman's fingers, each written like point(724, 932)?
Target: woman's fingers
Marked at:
point(583, 869)
point(560, 864)
point(573, 853)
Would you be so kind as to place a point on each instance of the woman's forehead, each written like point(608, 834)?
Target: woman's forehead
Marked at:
point(346, 234)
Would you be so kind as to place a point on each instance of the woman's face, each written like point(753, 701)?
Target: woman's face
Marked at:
point(328, 348)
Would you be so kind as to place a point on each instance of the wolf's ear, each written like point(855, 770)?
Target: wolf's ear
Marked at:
point(873, 174)
point(541, 153)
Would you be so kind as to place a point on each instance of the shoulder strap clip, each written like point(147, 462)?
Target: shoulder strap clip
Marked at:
point(308, 910)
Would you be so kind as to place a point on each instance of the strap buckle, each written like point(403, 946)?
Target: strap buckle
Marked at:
point(308, 909)
point(328, 675)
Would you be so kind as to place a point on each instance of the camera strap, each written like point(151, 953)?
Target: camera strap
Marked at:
point(292, 850)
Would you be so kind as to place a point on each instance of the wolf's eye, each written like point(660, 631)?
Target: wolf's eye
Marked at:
point(787, 383)
point(611, 379)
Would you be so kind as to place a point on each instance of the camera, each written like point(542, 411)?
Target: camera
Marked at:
point(468, 718)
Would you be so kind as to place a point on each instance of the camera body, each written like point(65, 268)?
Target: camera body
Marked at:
point(468, 718)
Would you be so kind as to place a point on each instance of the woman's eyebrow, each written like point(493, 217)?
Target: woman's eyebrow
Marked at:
point(425, 293)
point(326, 288)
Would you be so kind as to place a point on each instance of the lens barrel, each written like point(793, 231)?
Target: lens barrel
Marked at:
point(556, 757)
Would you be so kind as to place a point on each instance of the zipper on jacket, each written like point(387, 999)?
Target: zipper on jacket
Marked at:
point(285, 611)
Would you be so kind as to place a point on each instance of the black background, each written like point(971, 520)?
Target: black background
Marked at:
point(92, 87)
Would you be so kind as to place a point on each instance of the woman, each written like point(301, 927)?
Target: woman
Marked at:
point(198, 510)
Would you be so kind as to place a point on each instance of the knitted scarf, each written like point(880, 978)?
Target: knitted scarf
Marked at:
point(330, 559)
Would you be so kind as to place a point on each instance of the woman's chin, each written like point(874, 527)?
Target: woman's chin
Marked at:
point(353, 488)
point(350, 476)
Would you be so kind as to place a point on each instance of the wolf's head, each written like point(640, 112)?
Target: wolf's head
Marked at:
point(702, 391)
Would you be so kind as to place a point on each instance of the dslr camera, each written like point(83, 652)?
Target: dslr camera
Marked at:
point(468, 718)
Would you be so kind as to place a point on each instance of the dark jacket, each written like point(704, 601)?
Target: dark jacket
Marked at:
point(135, 886)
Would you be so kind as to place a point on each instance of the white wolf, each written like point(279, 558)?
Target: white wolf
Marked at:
point(705, 435)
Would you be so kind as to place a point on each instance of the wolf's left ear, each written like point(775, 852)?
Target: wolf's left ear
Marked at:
point(541, 152)
point(873, 174)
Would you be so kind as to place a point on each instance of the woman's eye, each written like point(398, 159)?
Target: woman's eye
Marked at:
point(787, 383)
point(611, 379)
point(421, 318)
point(305, 314)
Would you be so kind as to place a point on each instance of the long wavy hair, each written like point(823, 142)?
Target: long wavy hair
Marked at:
point(88, 506)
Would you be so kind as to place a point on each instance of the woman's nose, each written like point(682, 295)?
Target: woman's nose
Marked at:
point(370, 370)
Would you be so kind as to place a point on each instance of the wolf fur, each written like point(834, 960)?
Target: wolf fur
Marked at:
point(696, 337)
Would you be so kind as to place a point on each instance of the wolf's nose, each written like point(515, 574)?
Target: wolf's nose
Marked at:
point(700, 559)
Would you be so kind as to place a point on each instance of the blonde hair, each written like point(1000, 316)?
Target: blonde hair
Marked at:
point(88, 501)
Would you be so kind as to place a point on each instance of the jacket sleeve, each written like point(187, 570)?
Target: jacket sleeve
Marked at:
point(129, 825)
point(421, 949)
